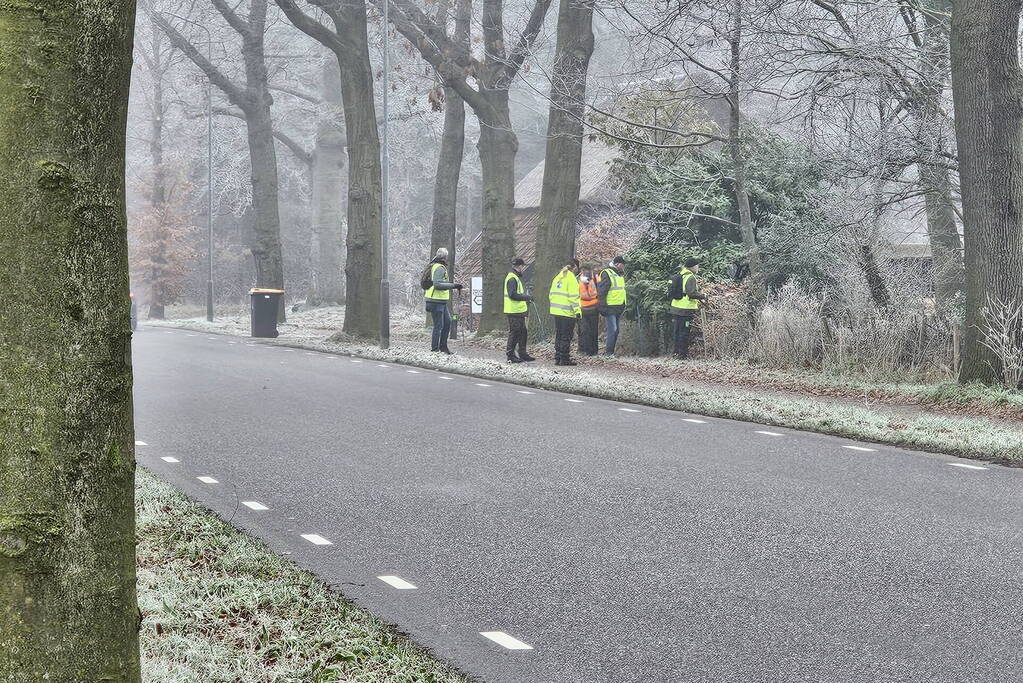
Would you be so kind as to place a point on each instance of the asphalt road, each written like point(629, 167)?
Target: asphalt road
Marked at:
point(620, 543)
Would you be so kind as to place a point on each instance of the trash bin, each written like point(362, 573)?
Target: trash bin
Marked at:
point(263, 312)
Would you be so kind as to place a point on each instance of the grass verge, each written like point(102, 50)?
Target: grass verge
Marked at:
point(218, 605)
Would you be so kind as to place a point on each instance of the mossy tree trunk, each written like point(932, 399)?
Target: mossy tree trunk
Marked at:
point(559, 200)
point(67, 531)
point(987, 86)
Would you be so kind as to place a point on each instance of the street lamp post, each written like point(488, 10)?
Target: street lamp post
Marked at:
point(385, 218)
point(209, 161)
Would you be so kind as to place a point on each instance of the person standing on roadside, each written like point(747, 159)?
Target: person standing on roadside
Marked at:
point(516, 308)
point(590, 302)
point(438, 296)
point(566, 309)
point(686, 300)
point(613, 298)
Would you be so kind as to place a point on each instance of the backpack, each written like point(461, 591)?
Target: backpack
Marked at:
point(675, 290)
point(426, 281)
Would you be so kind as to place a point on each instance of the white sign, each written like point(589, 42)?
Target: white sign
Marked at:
point(477, 295)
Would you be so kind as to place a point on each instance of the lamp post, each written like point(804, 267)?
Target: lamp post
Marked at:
point(209, 161)
point(385, 218)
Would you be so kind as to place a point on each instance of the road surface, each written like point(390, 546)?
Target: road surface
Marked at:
point(618, 543)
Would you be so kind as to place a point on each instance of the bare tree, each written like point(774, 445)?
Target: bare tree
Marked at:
point(987, 84)
point(349, 41)
point(489, 101)
point(254, 100)
point(67, 516)
point(559, 200)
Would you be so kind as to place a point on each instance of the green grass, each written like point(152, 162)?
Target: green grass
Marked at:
point(218, 605)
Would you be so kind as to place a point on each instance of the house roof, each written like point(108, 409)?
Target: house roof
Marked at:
point(593, 176)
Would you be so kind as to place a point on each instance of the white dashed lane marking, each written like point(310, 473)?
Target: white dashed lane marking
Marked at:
point(381, 365)
point(628, 410)
point(352, 360)
point(316, 539)
point(254, 505)
point(442, 377)
point(208, 480)
point(169, 459)
point(505, 640)
point(480, 384)
point(769, 433)
point(141, 443)
point(859, 448)
point(526, 392)
point(413, 372)
point(967, 467)
point(573, 400)
point(694, 420)
point(397, 582)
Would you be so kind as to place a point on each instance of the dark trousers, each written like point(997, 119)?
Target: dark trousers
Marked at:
point(588, 332)
point(441, 325)
point(563, 329)
point(683, 325)
point(518, 336)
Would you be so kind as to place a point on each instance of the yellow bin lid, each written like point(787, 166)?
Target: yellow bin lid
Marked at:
point(257, 290)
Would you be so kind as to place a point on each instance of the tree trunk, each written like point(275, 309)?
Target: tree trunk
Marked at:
point(735, 148)
point(327, 196)
point(362, 267)
point(266, 252)
point(497, 148)
point(449, 170)
point(452, 151)
point(158, 193)
point(942, 229)
point(559, 200)
point(988, 91)
point(67, 532)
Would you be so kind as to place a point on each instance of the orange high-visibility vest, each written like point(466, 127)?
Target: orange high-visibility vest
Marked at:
point(588, 294)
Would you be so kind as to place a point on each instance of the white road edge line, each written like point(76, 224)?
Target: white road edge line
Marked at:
point(628, 410)
point(505, 640)
point(397, 582)
point(573, 400)
point(860, 448)
point(967, 467)
point(769, 433)
point(413, 372)
point(352, 360)
point(481, 384)
point(208, 480)
point(316, 539)
point(168, 458)
point(442, 377)
point(254, 505)
point(141, 443)
point(381, 365)
point(694, 420)
point(526, 392)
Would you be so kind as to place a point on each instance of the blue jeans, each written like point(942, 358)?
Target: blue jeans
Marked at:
point(612, 333)
point(441, 324)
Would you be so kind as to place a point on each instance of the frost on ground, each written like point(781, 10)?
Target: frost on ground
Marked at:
point(218, 605)
point(660, 383)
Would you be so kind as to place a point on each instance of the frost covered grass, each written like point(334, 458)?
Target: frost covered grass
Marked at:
point(218, 605)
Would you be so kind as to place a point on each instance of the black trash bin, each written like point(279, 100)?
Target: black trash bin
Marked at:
point(263, 312)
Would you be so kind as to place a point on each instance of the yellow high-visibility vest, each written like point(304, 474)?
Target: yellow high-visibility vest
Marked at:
point(564, 294)
point(510, 304)
point(685, 303)
point(616, 295)
point(434, 294)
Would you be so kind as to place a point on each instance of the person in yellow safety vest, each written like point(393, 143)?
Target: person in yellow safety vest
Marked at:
point(516, 308)
point(613, 298)
point(566, 308)
point(686, 300)
point(437, 296)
